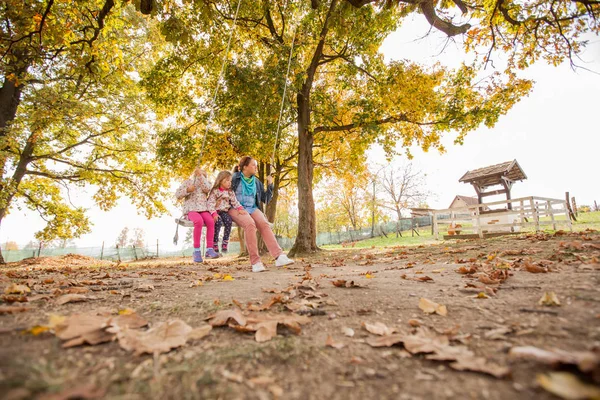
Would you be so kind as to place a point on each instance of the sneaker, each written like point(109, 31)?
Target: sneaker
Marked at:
point(283, 260)
point(210, 253)
point(223, 249)
point(197, 256)
point(258, 267)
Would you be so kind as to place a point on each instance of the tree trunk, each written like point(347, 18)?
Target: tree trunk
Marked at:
point(306, 239)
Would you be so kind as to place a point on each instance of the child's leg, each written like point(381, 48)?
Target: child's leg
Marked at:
point(210, 228)
point(227, 223)
point(218, 225)
point(197, 219)
point(267, 234)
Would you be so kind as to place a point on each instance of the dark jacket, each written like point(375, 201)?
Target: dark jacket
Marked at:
point(262, 196)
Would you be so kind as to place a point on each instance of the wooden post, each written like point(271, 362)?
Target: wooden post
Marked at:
point(569, 209)
point(595, 206)
point(478, 219)
point(522, 214)
point(574, 204)
point(412, 227)
point(39, 249)
point(118, 254)
point(156, 248)
point(536, 215)
point(436, 232)
point(102, 251)
point(134, 252)
point(551, 211)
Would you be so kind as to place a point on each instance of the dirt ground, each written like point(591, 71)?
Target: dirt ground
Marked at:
point(491, 289)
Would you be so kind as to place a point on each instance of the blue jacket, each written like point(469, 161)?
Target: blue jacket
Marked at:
point(262, 196)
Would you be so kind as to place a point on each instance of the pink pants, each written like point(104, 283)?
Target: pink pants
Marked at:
point(198, 218)
point(250, 223)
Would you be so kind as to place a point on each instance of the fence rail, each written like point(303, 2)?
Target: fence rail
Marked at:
point(524, 212)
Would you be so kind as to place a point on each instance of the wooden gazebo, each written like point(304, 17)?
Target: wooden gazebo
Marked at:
point(504, 175)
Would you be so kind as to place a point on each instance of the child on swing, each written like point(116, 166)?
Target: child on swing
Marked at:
point(220, 200)
point(194, 191)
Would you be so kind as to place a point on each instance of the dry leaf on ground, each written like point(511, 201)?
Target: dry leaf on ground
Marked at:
point(12, 309)
point(385, 341)
point(13, 288)
point(200, 332)
point(161, 338)
point(430, 307)
point(266, 331)
point(378, 328)
point(348, 331)
point(549, 299)
point(586, 361)
point(479, 364)
point(345, 284)
point(71, 298)
point(567, 386)
point(222, 317)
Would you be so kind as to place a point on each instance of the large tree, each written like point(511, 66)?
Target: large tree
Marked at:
point(71, 111)
point(344, 95)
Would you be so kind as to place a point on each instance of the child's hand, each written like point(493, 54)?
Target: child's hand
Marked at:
point(216, 217)
point(243, 212)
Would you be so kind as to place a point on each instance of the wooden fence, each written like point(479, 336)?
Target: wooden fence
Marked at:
point(479, 220)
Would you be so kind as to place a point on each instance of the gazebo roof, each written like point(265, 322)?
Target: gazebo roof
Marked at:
point(492, 175)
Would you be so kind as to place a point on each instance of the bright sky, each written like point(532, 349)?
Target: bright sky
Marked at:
point(553, 133)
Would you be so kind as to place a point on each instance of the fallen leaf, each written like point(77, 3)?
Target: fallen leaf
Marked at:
point(415, 323)
point(498, 333)
point(266, 331)
point(332, 343)
point(424, 278)
point(71, 298)
point(567, 386)
point(228, 277)
point(480, 295)
point(378, 328)
point(368, 276)
point(479, 364)
point(385, 341)
point(345, 284)
point(13, 288)
point(486, 279)
point(12, 309)
point(464, 270)
point(549, 299)
point(222, 317)
point(159, 339)
point(200, 332)
point(14, 299)
point(36, 330)
point(586, 361)
point(430, 307)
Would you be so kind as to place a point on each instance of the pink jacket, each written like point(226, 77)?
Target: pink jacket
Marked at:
point(222, 200)
point(195, 201)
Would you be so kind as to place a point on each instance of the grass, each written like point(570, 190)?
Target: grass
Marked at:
point(392, 240)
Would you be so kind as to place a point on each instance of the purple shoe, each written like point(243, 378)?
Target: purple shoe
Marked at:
point(197, 256)
point(211, 253)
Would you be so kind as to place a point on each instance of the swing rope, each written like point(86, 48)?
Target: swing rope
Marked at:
point(285, 86)
point(214, 98)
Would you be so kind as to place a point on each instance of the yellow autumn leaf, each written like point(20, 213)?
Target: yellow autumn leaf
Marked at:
point(228, 277)
point(368, 276)
point(36, 330)
point(126, 311)
point(217, 276)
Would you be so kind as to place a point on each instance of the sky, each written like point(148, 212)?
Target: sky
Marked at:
point(553, 133)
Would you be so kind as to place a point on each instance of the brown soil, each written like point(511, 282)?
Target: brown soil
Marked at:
point(230, 364)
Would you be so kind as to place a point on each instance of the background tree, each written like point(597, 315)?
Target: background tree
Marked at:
point(11, 246)
point(189, 238)
point(71, 113)
point(138, 240)
point(404, 187)
point(123, 238)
